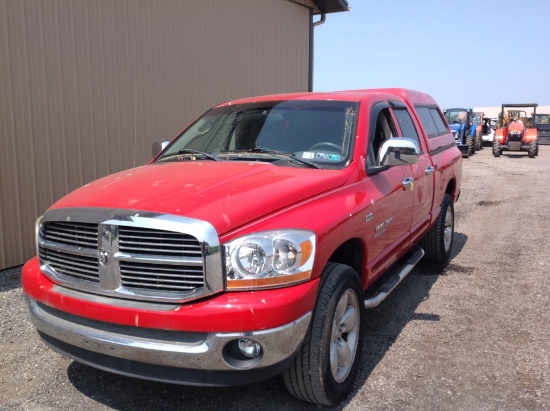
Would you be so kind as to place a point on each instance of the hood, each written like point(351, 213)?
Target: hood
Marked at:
point(226, 194)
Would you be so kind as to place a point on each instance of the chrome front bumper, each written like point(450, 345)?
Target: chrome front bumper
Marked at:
point(169, 356)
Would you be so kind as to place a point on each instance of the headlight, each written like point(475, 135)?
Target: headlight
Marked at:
point(269, 259)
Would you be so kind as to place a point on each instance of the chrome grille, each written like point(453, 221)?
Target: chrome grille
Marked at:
point(127, 256)
point(69, 233)
point(160, 277)
point(76, 266)
point(69, 249)
point(152, 245)
point(137, 240)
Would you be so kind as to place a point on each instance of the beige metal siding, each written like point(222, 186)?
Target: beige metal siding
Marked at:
point(86, 86)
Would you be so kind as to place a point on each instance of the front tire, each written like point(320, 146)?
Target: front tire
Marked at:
point(324, 370)
point(497, 151)
point(438, 243)
point(471, 147)
point(533, 149)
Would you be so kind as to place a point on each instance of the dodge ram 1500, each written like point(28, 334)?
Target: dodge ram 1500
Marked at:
point(253, 242)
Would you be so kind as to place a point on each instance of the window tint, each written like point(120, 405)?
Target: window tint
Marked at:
point(439, 123)
point(405, 122)
point(431, 121)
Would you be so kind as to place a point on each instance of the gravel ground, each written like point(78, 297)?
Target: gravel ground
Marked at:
point(469, 336)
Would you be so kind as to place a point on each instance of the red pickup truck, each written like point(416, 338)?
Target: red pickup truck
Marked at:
point(252, 244)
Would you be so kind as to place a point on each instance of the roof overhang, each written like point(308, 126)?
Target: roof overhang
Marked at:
point(330, 6)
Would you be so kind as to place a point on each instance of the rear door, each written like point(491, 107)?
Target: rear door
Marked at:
point(423, 170)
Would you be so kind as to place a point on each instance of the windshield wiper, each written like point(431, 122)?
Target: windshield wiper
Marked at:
point(291, 157)
point(191, 151)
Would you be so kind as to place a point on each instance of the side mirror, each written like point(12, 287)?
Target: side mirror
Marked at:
point(159, 145)
point(399, 151)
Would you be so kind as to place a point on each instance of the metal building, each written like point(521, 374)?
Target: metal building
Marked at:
point(86, 86)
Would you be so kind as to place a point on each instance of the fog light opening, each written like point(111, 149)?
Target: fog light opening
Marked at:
point(249, 348)
point(243, 353)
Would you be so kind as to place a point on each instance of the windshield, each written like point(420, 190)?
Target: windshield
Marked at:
point(542, 119)
point(319, 132)
point(456, 116)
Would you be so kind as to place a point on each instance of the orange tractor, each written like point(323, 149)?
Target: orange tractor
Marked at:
point(515, 131)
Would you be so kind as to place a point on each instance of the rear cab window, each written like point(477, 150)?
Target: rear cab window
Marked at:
point(432, 121)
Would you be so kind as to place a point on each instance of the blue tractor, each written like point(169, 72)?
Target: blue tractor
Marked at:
point(463, 126)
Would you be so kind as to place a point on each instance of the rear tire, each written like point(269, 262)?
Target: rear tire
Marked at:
point(479, 142)
point(325, 368)
point(438, 243)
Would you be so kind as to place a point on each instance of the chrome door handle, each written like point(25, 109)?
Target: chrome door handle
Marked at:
point(407, 182)
point(429, 170)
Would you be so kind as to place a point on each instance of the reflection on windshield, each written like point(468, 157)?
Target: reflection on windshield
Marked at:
point(318, 131)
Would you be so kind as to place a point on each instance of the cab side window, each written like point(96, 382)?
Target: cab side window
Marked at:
point(384, 129)
point(406, 124)
point(432, 121)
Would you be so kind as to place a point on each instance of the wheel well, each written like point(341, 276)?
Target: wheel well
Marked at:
point(451, 187)
point(349, 253)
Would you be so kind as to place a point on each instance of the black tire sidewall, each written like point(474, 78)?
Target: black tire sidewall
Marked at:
point(445, 205)
point(532, 149)
point(496, 149)
point(434, 242)
point(339, 279)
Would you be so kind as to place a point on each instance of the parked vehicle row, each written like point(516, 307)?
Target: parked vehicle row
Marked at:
point(515, 130)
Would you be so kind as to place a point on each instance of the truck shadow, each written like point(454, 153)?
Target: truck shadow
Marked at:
point(386, 322)
point(131, 394)
point(384, 325)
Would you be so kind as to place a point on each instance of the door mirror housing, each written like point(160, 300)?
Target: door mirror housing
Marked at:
point(399, 151)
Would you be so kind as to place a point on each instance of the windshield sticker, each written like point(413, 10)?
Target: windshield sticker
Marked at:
point(327, 156)
point(321, 156)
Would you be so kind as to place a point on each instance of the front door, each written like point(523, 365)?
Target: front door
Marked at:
point(391, 196)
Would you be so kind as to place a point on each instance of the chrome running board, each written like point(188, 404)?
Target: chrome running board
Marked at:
point(393, 281)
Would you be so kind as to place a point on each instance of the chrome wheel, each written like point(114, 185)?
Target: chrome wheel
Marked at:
point(448, 230)
point(344, 336)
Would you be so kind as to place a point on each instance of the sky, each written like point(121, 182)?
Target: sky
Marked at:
point(465, 53)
